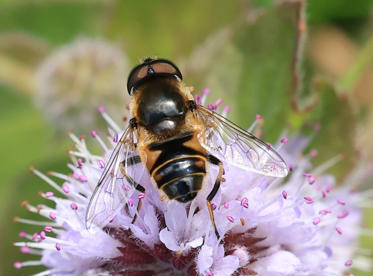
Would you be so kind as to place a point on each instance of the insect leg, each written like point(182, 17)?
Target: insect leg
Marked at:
point(131, 161)
point(213, 160)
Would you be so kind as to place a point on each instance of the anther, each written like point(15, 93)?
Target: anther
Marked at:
point(316, 221)
point(230, 218)
point(348, 263)
point(101, 164)
point(339, 230)
point(48, 194)
point(52, 216)
point(341, 202)
point(101, 109)
point(245, 202)
point(308, 200)
point(74, 206)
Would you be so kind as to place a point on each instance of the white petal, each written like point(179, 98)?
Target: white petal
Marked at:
point(279, 263)
point(227, 266)
point(204, 259)
point(196, 243)
point(168, 238)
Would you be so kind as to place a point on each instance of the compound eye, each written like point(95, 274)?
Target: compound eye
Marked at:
point(150, 67)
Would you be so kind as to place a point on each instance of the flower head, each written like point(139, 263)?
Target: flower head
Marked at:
point(302, 225)
point(78, 76)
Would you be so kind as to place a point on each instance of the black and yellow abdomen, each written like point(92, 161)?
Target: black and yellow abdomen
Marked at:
point(180, 167)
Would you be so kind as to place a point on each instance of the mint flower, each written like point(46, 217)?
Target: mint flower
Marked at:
point(78, 76)
point(301, 225)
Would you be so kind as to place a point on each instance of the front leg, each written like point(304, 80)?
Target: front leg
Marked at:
point(132, 161)
point(213, 160)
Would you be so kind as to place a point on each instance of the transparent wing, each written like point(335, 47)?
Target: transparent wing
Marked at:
point(227, 141)
point(111, 193)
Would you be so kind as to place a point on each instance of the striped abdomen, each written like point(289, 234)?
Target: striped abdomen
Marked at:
point(180, 167)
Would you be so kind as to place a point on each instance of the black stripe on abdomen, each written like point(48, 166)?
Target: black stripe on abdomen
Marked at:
point(181, 178)
point(178, 168)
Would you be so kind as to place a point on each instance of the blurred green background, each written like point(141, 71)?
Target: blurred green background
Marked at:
point(290, 61)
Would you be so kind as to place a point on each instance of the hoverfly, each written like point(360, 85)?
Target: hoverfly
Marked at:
point(174, 139)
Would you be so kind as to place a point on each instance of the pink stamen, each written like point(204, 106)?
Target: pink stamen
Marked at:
point(329, 188)
point(344, 214)
point(66, 188)
point(130, 201)
point(339, 230)
point(52, 216)
point(230, 218)
point(317, 126)
point(226, 205)
point(94, 133)
point(101, 164)
point(25, 249)
point(226, 109)
point(290, 167)
point(284, 194)
point(213, 206)
point(74, 206)
point(258, 117)
point(101, 109)
point(284, 140)
point(198, 99)
point(126, 187)
point(245, 202)
point(323, 194)
point(35, 235)
point(325, 211)
point(17, 265)
point(206, 91)
point(268, 145)
point(141, 195)
point(80, 163)
point(115, 139)
point(341, 202)
point(209, 274)
point(42, 235)
point(22, 234)
point(308, 200)
point(218, 102)
point(348, 263)
point(48, 194)
point(58, 246)
point(48, 228)
point(311, 180)
point(313, 152)
point(307, 175)
point(212, 107)
point(316, 221)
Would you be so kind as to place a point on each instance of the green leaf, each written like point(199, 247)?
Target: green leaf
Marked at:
point(167, 28)
point(268, 47)
point(321, 10)
point(335, 114)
